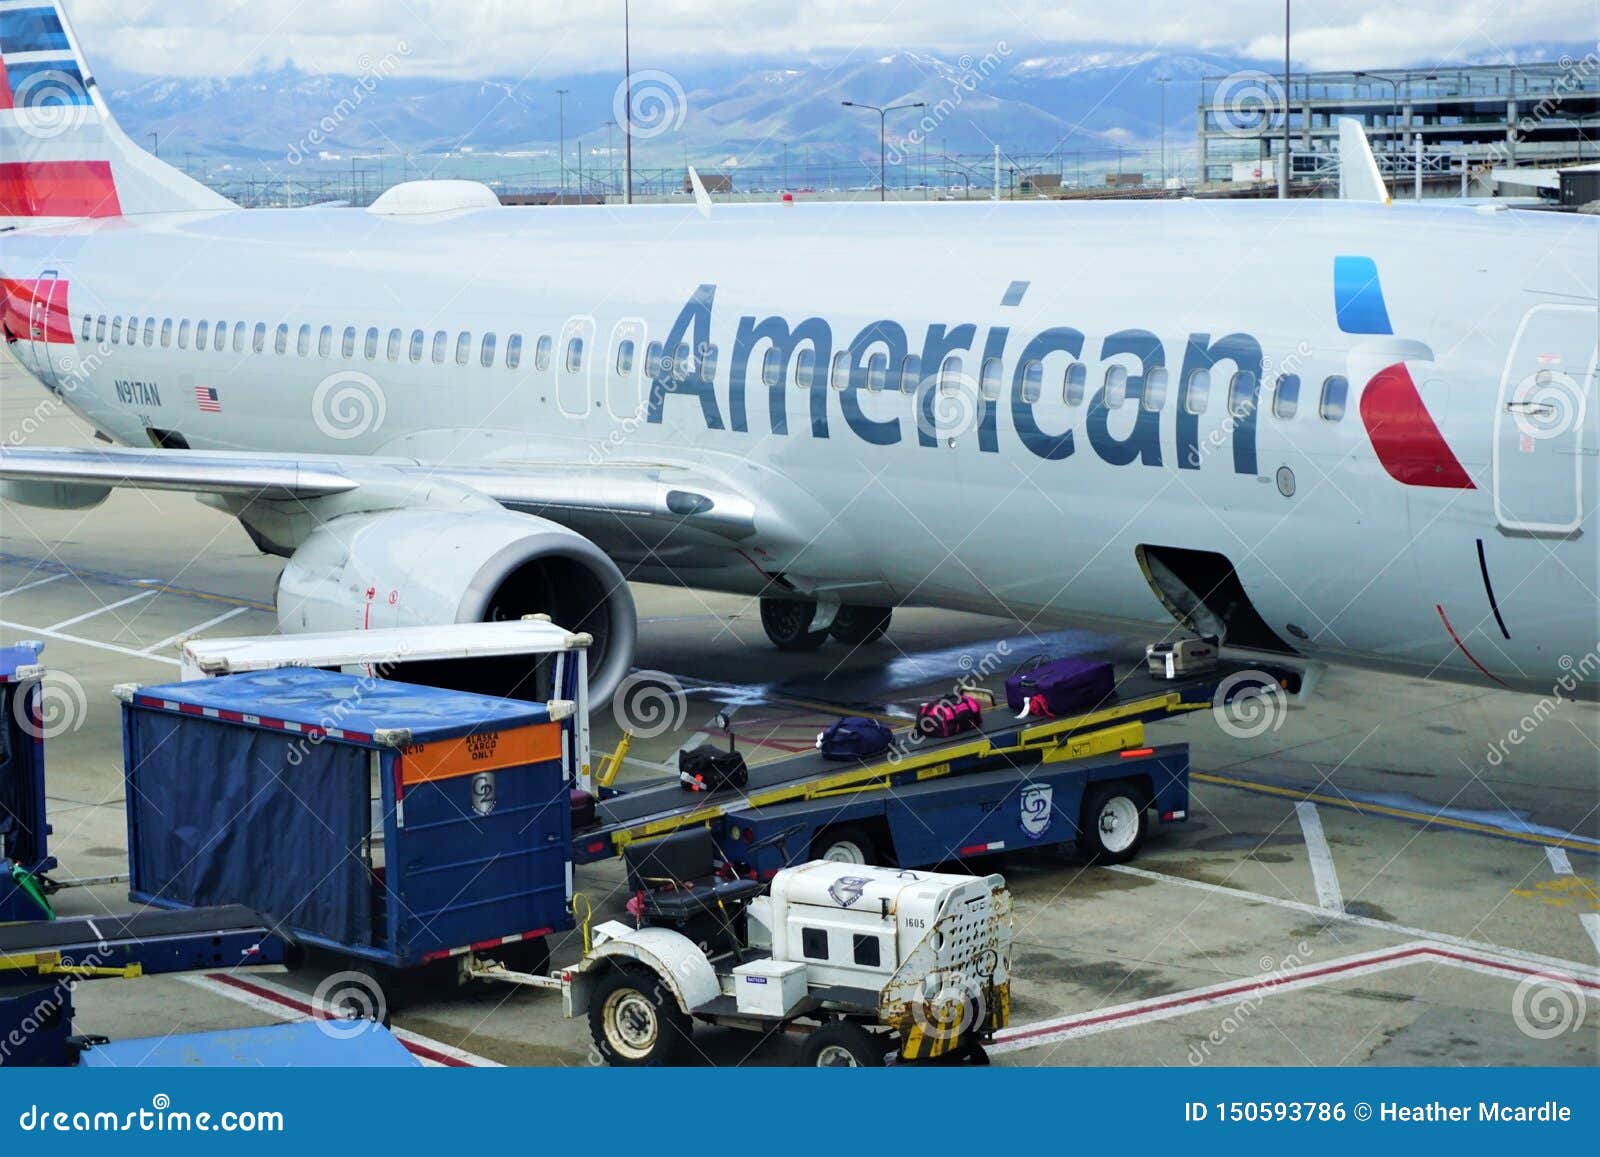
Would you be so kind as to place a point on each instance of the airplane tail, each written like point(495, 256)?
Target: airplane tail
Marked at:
point(62, 155)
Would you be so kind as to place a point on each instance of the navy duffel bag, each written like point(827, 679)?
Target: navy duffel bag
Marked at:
point(1060, 688)
point(854, 738)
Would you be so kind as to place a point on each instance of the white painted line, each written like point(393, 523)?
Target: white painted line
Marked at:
point(205, 626)
point(28, 632)
point(1591, 925)
point(287, 1004)
point(1560, 862)
point(1255, 989)
point(1571, 966)
point(1321, 857)
point(75, 620)
point(30, 586)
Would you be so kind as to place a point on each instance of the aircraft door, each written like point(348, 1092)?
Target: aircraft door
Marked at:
point(1543, 419)
point(624, 370)
point(47, 318)
point(576, 359)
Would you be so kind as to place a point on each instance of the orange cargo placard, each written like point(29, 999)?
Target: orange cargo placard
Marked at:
point(481, 751)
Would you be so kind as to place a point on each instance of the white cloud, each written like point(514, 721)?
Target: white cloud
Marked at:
point(509, 38)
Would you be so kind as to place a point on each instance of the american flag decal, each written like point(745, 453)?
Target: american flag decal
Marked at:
point(208, 401)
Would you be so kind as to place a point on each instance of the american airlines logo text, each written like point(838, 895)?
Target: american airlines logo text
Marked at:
point(783, 340)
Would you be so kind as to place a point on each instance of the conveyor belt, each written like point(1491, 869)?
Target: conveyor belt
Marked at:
point(156, 940)
point(647, 807)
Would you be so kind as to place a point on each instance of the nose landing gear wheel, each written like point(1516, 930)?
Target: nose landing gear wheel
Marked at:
point(788, 624)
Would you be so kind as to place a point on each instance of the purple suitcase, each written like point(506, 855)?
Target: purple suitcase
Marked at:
point(1060, 688)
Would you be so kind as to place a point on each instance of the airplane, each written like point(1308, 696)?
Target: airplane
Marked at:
point(1330, 430)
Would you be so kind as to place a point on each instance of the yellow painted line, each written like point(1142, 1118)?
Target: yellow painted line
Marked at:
point(1396, 813)
point(204, 596)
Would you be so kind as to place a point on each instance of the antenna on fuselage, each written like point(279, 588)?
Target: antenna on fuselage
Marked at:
point(702, 199)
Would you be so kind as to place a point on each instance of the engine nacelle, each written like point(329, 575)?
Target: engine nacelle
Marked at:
point(425, 567)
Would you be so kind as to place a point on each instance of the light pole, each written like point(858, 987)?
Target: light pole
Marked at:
point(561, 156)
point(627, 81)
point(1162, 81)
point(1283, 173)
point(611, 157)
point(883, 121)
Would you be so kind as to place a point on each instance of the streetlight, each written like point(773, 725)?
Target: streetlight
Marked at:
point(1283, 173)
point(627, 80)
point(1163, 81)
point(883, 120)
point(561, 157)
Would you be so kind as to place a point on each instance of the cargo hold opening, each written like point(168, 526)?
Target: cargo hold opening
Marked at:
point(1202, 591)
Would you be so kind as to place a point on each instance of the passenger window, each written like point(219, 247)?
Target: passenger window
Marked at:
point(805, 368)
point(1116, 391)
point(396, 341)
point(238, 337)
point(1154, 395)
point(1197, 393)
point(116, 330)
point(281, 342)
point(1286, 397)
point(1242, 394)
point(100, 328)
point(202, 331)
point(841, 370)
point(371, 346)
point(1077, 380)
point(877, 371)
point(419, 342)
point(219, 339)
point(166, 333)
point(463, 347)
point(486, 353)
point(302, 344)
point(771, 367)
point(258, 340)
point(541, 354)
point(1033, 382)
point(325, 341)
point(441, 346)
point(574, 355)
point(989, 382)
point(513, 351)
point(1334, 393)
point(814, 941)
point(950, 376)
point(88, 326)
point(910, 374)
point(685, 361)
point(708, 364)
point(625, 357)
point(868, 951)
point(652, 360)
point(183, 334)
point(149, 331)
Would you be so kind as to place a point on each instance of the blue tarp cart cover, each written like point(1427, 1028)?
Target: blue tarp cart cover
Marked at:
point(320, 1044)
point(385, 819)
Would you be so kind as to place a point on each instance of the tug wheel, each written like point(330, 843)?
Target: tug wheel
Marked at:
point(635, 1020)
point(843, 1044)
point(1112, 824)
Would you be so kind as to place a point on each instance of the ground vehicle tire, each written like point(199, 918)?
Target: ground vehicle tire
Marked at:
point(858, 626)
point(788, 624)
point(845, 844)
point(635, 1020)
point(844, 1044)
point(1112, 824)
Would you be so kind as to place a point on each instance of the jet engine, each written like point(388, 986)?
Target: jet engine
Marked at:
point(423, 567)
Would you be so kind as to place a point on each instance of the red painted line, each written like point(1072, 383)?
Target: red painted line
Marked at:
point(5, 87)
point(1463, 648)
point(305, 1009)
point(1067, 1024)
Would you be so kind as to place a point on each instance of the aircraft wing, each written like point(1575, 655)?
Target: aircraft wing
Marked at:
point(651, 491)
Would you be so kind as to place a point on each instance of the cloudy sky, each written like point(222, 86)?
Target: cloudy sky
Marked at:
point(513, 38)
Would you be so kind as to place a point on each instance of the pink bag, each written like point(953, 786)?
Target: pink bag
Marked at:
point(949, 717)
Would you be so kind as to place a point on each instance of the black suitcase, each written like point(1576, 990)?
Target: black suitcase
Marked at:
point(708, 768)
